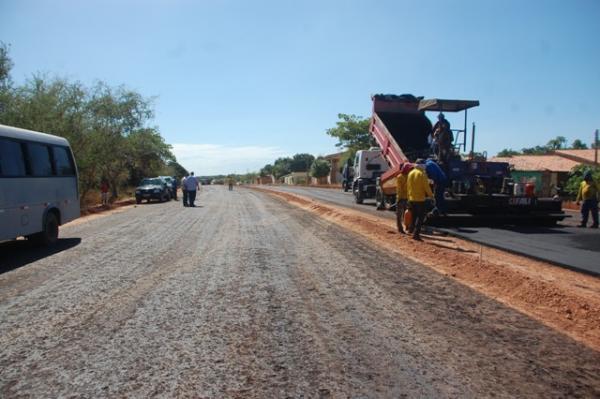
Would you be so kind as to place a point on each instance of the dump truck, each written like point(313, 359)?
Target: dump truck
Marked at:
point(479, 192)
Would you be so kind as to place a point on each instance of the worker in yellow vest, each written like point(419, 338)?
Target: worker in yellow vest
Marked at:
point(402, 195)
point(588, 192)
point(418, 190)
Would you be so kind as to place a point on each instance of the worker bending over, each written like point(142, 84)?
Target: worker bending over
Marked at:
point(418, 189)
point(402, 195)
point(435, 173)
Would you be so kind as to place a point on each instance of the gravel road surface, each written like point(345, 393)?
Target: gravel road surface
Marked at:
point(249, 297)
point(564, 245)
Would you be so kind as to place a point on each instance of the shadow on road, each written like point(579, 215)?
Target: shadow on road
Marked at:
point(15, 254)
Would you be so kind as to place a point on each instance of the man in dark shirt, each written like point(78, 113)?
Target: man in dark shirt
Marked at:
point(442, 139)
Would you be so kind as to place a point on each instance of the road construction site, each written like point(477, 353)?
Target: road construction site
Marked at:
point(564, 245)
point(254, 295)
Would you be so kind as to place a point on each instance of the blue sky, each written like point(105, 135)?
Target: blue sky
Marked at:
point(239, 83)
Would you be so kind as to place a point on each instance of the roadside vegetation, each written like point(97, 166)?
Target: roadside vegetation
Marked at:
point(557, 143)
point(109, 127)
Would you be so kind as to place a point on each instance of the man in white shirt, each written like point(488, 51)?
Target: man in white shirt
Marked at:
point(191, 185)
point(184, 190)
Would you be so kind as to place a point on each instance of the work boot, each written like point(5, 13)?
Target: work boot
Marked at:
point(581, 225)
point(594, 226)
point(417, 238)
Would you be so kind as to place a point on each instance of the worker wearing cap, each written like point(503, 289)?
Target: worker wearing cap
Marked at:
point(418, 190)
point(588, 192)
point(402, 195)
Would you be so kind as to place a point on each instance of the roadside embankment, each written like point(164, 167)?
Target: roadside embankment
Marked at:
point(562, 299)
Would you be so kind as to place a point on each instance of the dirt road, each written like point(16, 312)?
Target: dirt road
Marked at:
point(250, 297)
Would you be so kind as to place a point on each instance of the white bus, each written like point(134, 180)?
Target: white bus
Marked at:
point(38, 185)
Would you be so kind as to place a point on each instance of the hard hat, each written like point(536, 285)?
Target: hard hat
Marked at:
point(406, 168)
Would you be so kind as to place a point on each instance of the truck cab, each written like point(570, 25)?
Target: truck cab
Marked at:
point(369, 165)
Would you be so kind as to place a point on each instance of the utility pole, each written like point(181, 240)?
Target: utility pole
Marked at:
point(596, 148)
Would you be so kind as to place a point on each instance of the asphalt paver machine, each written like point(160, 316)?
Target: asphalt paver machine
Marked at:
point(479, 192)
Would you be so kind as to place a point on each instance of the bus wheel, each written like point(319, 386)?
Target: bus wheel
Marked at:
point(49, 234)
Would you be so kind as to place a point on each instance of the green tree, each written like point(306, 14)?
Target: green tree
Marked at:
point(352, 133)
point(147, 154)
point(267, 170)
point(507, 152)
point(557, 143)
point(576, 177)
point(107, 127)
point(6, 65)
point(173, 168)
point(320, 168)
point(301, 162)
point(282, 167)
point(579, 145)
point(537, 150)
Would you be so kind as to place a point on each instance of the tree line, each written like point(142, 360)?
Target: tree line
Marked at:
point(557, 143)
point(352, 132)
point(108, 127)
point(316, 167)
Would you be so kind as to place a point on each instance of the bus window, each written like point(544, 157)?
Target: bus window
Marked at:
point(12, 161)
point(63, 161)
point(39, 159)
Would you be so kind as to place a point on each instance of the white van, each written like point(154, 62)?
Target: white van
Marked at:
point(38, 185)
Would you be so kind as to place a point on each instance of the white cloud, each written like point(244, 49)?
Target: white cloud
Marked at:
point(214, 159)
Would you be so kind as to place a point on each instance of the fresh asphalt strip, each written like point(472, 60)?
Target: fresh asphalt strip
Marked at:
point(570, 247)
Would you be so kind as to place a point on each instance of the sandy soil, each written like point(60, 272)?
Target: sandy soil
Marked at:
point(565, 300)
point(250, 297)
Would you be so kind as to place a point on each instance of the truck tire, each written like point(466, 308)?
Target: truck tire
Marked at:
point(49, 234)
point(358, 194)
point(379, 200)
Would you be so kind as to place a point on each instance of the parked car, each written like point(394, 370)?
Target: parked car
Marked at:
point(152, 188)
point(169, 180)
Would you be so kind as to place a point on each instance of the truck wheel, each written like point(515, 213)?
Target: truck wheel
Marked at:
point(138, 200)
point(379, 200)
point(49, 234)
point(358, 194)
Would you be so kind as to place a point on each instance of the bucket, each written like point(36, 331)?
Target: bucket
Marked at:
point(529, 189)
point(519, 189)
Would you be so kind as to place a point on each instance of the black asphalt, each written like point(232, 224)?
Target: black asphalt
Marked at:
point(564, 245)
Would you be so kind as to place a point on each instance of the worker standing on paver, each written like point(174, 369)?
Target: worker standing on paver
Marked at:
point(402, 195)
point(418, 190)
point(230, 183)
point(588, 192)
point(442, 139)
